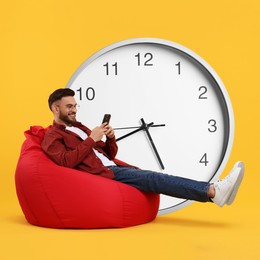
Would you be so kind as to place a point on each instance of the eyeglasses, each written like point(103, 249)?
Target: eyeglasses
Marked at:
point(71, 107)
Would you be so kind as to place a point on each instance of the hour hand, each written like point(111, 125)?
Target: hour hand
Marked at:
point(131, 133)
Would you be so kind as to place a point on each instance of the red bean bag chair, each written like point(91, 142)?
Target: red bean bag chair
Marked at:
point(58, 197)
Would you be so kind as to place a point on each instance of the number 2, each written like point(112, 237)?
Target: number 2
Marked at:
point(204, 90)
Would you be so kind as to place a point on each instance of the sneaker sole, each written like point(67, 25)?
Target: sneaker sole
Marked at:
point(241, 169)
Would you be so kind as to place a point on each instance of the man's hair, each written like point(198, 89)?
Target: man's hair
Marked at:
point(58, 94)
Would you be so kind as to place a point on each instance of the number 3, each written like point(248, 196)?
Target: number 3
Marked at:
point(213, 125)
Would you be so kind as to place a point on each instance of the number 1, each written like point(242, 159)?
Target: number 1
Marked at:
point(179, 67)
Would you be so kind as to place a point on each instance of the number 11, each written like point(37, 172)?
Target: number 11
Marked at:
point(108, 70)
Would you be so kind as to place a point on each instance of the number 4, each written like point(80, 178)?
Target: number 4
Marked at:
point(204, 159)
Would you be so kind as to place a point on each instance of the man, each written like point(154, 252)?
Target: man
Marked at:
point(71, 144)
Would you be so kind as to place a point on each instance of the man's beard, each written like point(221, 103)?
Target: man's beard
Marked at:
point(66, 119)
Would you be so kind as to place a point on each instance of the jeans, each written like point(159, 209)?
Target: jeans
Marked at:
point(162, 183)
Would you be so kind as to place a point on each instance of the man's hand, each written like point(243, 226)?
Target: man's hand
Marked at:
point(109, 131)
point(99, 131)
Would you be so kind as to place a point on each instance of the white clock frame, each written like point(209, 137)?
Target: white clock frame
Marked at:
point(229, 119)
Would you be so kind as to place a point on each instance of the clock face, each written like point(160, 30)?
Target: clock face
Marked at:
point(176, 96)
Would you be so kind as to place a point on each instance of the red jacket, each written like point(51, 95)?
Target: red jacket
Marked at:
point(67, 149)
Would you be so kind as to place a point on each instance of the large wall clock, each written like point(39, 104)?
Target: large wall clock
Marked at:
point(170, 110)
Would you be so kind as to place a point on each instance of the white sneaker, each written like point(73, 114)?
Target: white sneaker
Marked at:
point(226, 189)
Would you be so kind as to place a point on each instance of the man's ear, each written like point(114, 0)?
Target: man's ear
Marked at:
point(55, 108)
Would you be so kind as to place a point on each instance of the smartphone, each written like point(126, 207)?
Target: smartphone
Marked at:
point(106, 118)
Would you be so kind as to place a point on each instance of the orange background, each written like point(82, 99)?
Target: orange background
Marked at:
point(44, 42)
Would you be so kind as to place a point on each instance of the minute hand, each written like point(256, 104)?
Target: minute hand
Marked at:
point(137, 127)
point(145, 128)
